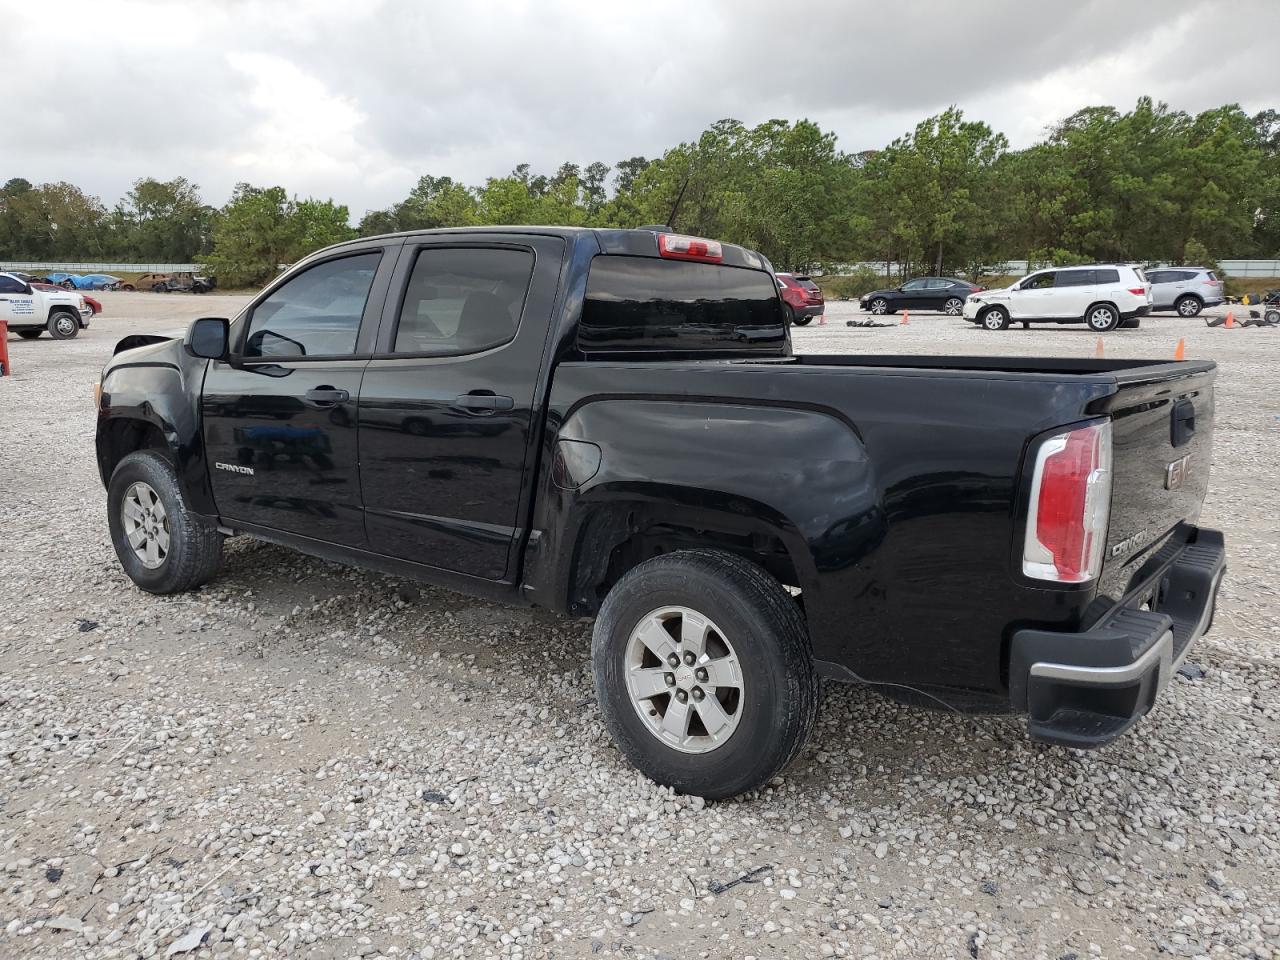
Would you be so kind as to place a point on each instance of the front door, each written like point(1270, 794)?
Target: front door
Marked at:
point(912, 294)
point(446, 405)
point(17, 303)
point(1033, 297)
point(280, 419)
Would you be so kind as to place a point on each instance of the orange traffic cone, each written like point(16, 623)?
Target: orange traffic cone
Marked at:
point(906, 318)
point(822, 319)
point(1181, 352)
point(1097, 349)
point(1231, 320)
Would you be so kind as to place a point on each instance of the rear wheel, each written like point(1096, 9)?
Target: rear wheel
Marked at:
point(128, 287)
point(29, 334)
point(995, 319)
point(1102, 317)
point(703, 672)
point(63, 325)
point(1188, 306)
point(953, 307)
point(161, 545)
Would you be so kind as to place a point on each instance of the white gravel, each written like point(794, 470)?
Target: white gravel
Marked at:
point(309, 760)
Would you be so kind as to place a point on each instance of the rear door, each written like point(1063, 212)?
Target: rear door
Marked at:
point(446, 407)
point(1073, 291)
point(280, 419)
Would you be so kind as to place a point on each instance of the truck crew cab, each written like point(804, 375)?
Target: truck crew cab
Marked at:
point(612, 423)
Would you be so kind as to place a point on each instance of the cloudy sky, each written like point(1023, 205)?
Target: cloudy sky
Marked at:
point(355, 99)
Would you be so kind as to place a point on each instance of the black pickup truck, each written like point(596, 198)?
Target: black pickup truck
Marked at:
point(612, 423)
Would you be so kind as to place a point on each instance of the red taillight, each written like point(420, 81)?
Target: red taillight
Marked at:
point(1138, 291)
point(977, 289)
point(679, 247)
point(1070, 506)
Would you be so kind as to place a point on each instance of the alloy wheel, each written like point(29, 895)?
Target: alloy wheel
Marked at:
point(146, 525)
point(684, 679)
point(953, 307)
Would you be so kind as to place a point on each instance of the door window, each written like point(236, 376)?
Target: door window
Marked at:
point(1073, 278)
point(463, 300)
point(914, 285)
point(316, 313)
point(936, 283)
point(1039, 281)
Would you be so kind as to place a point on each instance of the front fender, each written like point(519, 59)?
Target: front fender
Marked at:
point(159, 385)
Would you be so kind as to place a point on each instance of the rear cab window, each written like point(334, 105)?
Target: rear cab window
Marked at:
point(639, 303)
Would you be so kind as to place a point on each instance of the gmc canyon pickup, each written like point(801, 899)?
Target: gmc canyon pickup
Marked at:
point(612, 423)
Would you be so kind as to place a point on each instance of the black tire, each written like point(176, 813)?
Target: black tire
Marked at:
point(67, 285)
point(1188, 306)
point(64, 325)
point(800, 321)
point(879, 306)
point(778, 704)
point(195, 548)
point(1271, 318)
point(29, 334)
point(1133, 323)
point(1026, 324)
point(995, 318)
point(954, 307)
point(128, 287)
point(1102, 317)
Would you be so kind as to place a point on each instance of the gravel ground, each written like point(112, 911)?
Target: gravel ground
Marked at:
point(309, 760)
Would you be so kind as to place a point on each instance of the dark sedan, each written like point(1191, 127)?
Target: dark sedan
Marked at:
point(943, 294)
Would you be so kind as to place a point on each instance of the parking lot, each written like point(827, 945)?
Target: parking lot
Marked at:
point(311, 760)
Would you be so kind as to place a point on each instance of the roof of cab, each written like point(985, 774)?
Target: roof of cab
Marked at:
point(635, 243)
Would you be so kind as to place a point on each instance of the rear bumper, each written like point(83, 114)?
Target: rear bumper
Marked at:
point(1086, 689)
point(809, 310)
point(1141, 311)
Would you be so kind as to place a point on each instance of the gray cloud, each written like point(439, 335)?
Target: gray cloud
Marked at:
point(355, 100)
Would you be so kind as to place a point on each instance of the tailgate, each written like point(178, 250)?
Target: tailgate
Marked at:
point(1162, 443)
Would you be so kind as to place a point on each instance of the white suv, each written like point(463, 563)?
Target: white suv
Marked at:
point(1104, 296)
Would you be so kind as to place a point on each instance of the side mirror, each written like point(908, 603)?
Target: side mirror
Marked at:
point(209, 338)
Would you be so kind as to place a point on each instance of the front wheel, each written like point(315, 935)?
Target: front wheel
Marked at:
point(879, 306)
point(953, 307)
point(162, 546)
point(63, 325)
point(995, 319)
point(1102, 318)
point(703, 672)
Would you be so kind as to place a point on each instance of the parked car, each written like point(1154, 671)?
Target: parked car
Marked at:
point(157, 282)
point(1187, 290)
point(968, 530)
point(31, 309)
point(802, 298)
point(65, 280)
point(943, 294)
point(97, 281)
point(1103, 296)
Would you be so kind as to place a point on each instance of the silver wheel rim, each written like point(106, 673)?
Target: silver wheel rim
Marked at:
point(1100, 318)
point(878, 307)
point(993, 320)
point(64, 324)
point(1188, 308)
point(146, 525)
point(953, 307)
point(684, 679)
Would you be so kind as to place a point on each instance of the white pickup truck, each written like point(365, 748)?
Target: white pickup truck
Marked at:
point(31, 309)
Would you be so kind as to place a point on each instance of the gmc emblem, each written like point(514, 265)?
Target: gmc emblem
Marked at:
point(1176, 472)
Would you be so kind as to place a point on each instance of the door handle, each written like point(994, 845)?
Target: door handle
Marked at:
point(326, 396)
point(483, 402)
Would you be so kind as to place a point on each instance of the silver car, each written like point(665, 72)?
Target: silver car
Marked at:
point(1187, 290)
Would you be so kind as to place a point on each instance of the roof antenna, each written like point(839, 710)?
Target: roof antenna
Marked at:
point(671, 218)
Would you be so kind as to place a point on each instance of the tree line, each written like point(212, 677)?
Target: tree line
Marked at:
point(1152, 184)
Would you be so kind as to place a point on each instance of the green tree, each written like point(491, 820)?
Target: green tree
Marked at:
point(260, 229)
